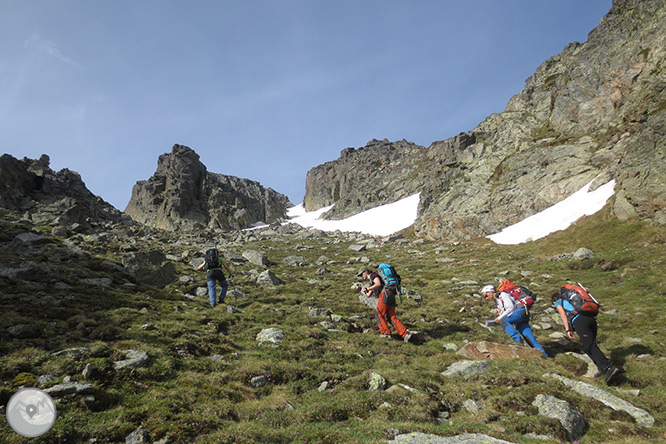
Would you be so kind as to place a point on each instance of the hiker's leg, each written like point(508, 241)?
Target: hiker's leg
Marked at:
point(508, 327)
point(525, 330)
point(586, 327)
point(211, 292)
point(381, 318)
point(402, 331)
point(224, 286)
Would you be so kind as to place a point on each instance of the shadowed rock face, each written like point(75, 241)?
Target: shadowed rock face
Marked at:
point(49, 197)
point(182, 194)
point(596, 110)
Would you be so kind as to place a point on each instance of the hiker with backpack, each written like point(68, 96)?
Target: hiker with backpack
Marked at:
point(512, 316)
point(578, 309)
point(385, 288)
point(213, 265)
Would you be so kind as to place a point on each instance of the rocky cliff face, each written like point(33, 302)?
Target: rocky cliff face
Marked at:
point(596, 110)
point(363, 178)
point(51, 198)
point(182, 194)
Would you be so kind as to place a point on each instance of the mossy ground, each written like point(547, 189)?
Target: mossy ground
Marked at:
point(191, 398)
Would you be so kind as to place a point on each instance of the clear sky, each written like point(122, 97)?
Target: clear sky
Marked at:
point(260, 89)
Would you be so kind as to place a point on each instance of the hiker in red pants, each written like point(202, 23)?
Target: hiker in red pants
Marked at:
point(385, 311)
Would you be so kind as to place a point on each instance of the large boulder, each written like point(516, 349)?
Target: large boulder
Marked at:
point(494, 351)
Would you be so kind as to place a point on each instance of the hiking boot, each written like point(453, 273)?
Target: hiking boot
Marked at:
point(384, 336)
point(407, 337)
point(598, 374)
point(611, 373)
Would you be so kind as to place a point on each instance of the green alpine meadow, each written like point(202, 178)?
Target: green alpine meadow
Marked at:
point(209, 379)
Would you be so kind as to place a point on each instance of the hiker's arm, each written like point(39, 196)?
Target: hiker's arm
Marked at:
point(507, 307)
point(565, 320)
point(375, 285)
point(200, 267)
point(231, 273)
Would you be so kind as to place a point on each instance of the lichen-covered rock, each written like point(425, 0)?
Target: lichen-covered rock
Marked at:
point(571, 419)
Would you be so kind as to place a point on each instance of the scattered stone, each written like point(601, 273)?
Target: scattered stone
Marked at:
point(138, 436)
point(268, 279)
point(88, 371)
point(235, 293)
point(314, 312)
point(451, 346)
point(473, 406)
point(294, 261)
point(70, 388)
point(25, 331)
point(76, 353)
point(44, 380)
point(272, 335)
point(323, 386)
point(357, 248)
point(571, 419)
point(133, 358)
point(257, 258)
point(583, 254)
point(466, 369)
point(258, 381)
point(376, 382)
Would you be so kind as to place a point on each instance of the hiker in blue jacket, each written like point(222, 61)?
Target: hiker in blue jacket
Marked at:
point(214, 274)
point(512, 317)
point(586, 327)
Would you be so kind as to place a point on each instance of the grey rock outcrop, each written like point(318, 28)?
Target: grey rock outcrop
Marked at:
point(364, 178)
point(594, 112)
point(183, 194)
point(48, 197)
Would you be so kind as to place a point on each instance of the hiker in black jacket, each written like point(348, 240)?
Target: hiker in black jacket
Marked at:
point(213, 265)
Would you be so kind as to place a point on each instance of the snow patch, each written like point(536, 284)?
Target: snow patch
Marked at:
point(383, 220)
point(558, 217)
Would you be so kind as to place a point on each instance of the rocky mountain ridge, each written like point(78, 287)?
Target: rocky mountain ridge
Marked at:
point(51, 198)
point(596, 111)
point(183, 194)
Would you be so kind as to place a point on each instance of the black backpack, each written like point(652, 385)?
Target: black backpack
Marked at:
point(212, 259)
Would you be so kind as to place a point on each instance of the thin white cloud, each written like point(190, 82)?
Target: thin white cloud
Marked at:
point(48, 47)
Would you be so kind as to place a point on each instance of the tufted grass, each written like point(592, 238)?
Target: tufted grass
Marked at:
point(187, 396)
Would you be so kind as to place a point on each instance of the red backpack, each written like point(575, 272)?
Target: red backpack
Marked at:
point(521, 294)
point(582, 301)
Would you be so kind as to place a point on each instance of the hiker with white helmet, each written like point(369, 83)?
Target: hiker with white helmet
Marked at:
point(511, 317)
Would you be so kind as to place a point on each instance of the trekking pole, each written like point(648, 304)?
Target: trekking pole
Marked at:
point(233, 287)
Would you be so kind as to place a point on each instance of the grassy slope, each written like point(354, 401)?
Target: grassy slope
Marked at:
point(186, 395)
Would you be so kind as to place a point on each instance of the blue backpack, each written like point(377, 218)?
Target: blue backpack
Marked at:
point(390, 277)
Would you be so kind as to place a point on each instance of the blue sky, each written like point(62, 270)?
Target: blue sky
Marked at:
point(260, 89)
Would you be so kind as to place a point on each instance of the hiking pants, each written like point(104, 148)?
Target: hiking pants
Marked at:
point(387, 312)
point(586, 328)
point(214, 276)
point(518, 327)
